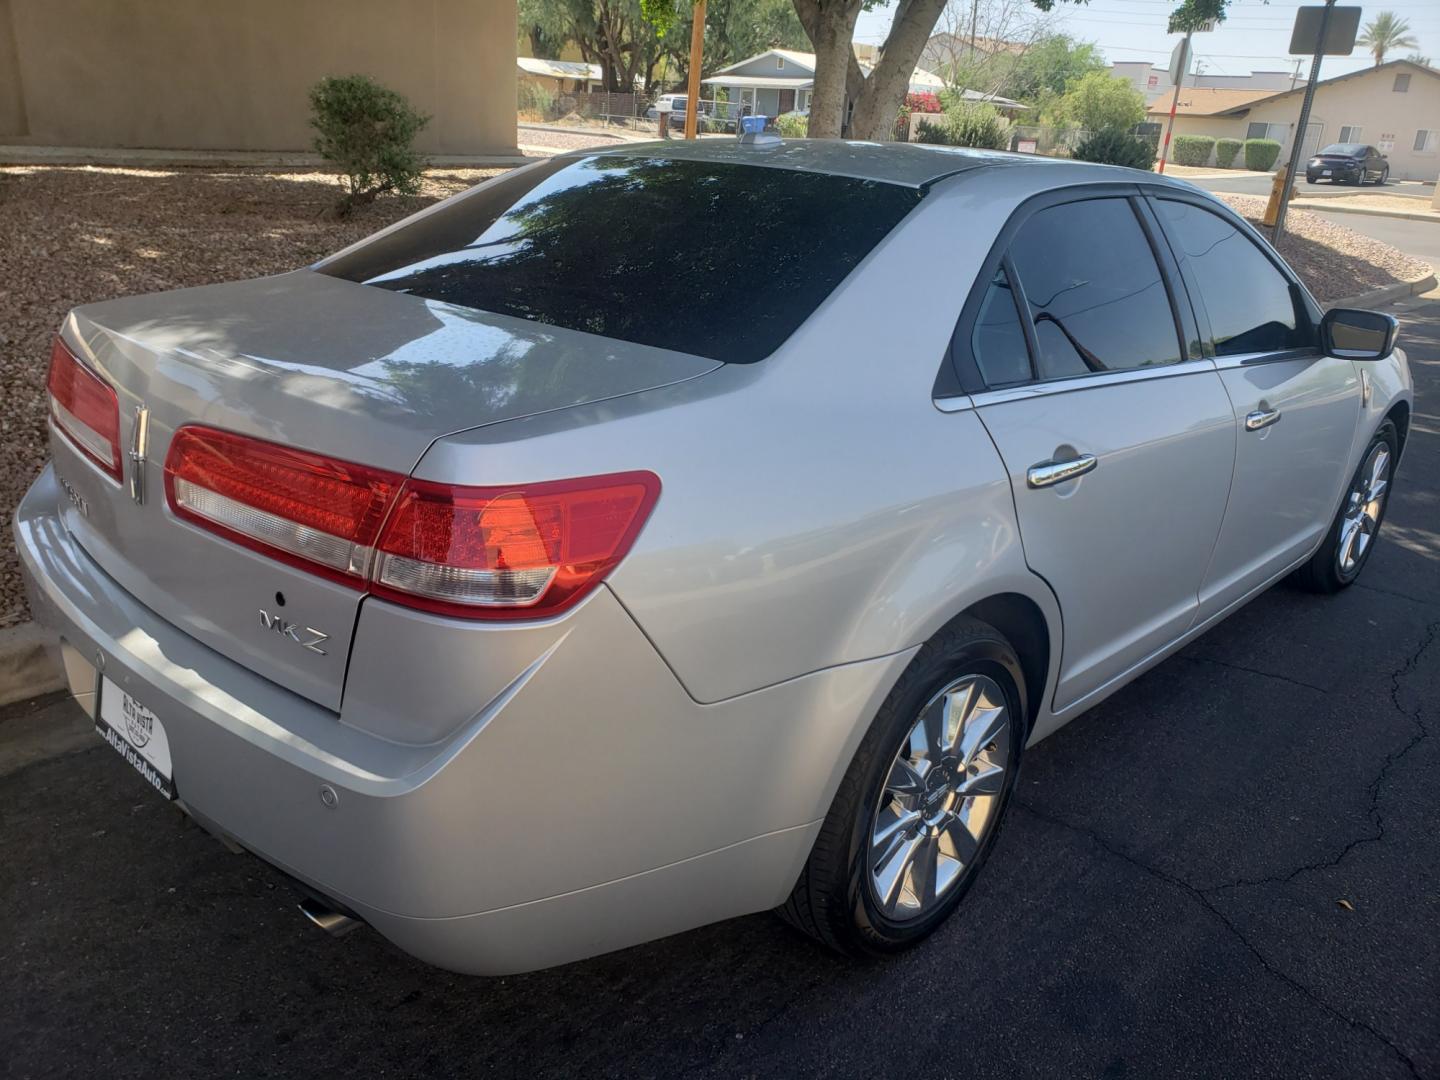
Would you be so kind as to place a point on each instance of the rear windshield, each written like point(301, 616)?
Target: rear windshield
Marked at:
point(1344, 149)
point(719, 260)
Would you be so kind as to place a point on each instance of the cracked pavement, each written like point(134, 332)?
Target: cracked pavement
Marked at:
point(1165, 899)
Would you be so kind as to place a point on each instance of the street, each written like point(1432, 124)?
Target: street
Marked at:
point(1417, 238)
point(1228, 869)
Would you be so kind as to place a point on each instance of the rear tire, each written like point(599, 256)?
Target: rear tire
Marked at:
point(902, 821)
point(1347, 546)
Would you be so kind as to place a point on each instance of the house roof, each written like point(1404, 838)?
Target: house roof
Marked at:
point(799, 59)
point(1207, 101)
point(558, 69)
point(1362, 73)
point(764, 82)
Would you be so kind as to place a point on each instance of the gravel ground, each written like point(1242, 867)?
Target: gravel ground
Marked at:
point(1333, 260)
point(72, 236)
point(568, 140)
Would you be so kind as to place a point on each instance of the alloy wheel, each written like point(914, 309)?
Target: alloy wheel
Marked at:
point(941, 798)
point(1363, 509)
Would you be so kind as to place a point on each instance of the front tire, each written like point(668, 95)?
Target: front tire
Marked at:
point(920, 806)
point(1347, 546)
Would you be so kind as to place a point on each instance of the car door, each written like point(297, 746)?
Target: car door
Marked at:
point(1296, 408)
point(1118, 442)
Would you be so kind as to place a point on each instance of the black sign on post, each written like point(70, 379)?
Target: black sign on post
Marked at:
point(1340, 33)
point(1319, 31)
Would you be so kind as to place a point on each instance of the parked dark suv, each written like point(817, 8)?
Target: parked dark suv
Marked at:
point(1353, 163)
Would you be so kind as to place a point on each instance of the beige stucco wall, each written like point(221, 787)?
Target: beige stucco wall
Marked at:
point(233, 74)
point(1370, 102)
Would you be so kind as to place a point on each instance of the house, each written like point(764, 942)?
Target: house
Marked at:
point(1200, 110)
point(1154, 82)
point(781, 80)
point(559, 76)
point(945, 51)
point(178, 74)
point(1394, 106)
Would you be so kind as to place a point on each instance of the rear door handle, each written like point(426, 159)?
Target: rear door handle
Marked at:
point(1049, 473)
point(1261, 418)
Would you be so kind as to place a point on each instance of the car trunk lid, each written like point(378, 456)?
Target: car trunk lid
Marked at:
point(318, 364)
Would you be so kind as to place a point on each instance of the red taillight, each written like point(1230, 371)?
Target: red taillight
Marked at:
point(300, 507)
point(517, 552)
point(85, 409)
point(524, 551)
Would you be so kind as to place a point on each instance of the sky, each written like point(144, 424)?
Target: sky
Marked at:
point(1254, 37)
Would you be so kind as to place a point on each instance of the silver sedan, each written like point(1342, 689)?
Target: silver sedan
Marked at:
point(652, 536)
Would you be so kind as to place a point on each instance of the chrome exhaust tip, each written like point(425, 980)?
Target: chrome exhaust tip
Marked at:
point(331, 921)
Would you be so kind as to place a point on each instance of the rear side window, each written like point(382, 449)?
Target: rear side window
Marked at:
point(1251, 305)
point(719, 260)
point(997, 339)
point(1094, 290)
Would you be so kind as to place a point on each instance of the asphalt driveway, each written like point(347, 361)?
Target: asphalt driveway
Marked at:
point(1229, 869)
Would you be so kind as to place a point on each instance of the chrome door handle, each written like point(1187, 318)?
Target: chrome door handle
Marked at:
point(1049, 473)
point(1261, 418)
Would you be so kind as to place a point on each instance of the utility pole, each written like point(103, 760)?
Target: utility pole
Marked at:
point(1297, 141)
point(697, 44)
point(1175, 99)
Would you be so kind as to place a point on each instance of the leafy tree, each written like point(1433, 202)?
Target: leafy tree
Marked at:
point(1051, 64)
point(734, 30)
point(612, 33)
point(1099, 101)
point(1416, 58)
point(368, 132)
point(1386, 32)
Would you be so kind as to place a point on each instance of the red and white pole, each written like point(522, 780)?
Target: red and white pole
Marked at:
point(1175, 100)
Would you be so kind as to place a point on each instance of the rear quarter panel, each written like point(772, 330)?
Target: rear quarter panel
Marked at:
point(816, 508)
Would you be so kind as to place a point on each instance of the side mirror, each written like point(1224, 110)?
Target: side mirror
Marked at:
point(1350, 334)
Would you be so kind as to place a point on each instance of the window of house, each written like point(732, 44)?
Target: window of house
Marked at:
point(998, 340)
point(1350, 133)
point(1266, 131)
point(779, 62)
point(1094, 289)
point(802, 101)
point(1427, 142)
point(1250, 303)
point(1402, 84)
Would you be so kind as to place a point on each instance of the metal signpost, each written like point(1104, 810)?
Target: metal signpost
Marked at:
point(1179, 65)
point(1320, 31)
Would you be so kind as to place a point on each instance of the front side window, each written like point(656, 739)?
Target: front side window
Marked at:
point(1251, 304)
point(715, 259)
point(1094, 290)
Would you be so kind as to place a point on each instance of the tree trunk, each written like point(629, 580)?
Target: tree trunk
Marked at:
point(831, 26)
point(883, 91)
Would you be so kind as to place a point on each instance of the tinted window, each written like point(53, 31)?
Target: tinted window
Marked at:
point(997, 340)
point(1344, 149)
point(1249, 301)
point(718, 260)
point(1094, 289)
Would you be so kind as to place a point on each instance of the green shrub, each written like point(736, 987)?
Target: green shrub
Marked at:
point(1193, 149)
point(1260, 154)
point(792, 125)
point(368, 133)
point(1225, 151)
point(534, 97)
point(966, 124)
point(1116, 146)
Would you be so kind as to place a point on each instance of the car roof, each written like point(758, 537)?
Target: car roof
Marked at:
point(906, 164)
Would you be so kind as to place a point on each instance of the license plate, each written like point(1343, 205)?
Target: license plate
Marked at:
point(137, 735)
point(1324, 172)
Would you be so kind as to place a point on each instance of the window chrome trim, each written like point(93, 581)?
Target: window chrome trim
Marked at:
point(1089, 382)
point(953, 403)
point(1273, 356)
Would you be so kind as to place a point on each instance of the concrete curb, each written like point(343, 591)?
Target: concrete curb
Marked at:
point(27, 668)
point(1406, 215)
point(1388, 294)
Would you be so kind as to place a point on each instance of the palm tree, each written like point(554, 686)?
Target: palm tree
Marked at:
point(1386, 32)
point(1416, 58)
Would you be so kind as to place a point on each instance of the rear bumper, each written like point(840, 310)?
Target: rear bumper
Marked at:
point(589, 806)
